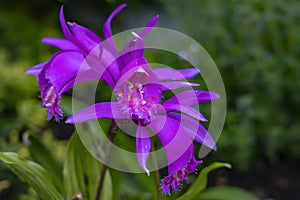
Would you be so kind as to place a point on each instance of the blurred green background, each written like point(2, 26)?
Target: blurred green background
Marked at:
point(255, 44)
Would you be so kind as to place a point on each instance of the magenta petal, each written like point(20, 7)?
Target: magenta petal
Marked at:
point(186, 110)
point(96, 111)
point(143, 146)
point(176, 85)
point(106, 61)
point(139, 67)
point(149, 26)
point(60, 43)
point(107, 25)
point(65, 29)
point(110, 44)
point(172, 74)
point(193, 97)
point(85, 37)
point(78, 30)
point(176, 142)
point(196, 130)
point(36, 69)
point(133, 49)
point(89, 75)
point(63, 67)
point(101, 61)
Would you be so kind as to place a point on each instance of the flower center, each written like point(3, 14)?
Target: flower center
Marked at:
point(139, 98)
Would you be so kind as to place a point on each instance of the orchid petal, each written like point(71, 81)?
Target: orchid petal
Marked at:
point(193, 97)
point(133, 49)
point(143, 146)
point(99, 110)
point(60, 43)
point(177, 144)
point(63, 67)
point(149, 26)
point(85, 37)
point(176, 85)
point(172, 74)
point(141, 69)
point(89, 75)
point(107, 25)
point(65, 29)
point(36, 69)
point(108, 61)
point(185, 109)
point(196, 130)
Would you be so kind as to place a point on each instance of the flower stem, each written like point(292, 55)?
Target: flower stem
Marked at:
point(111, 135)
point(156, 172)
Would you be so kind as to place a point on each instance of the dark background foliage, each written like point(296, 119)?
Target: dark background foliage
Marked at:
point(255, 44)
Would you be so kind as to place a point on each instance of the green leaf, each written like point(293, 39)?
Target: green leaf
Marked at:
point(82, 173)
point(226, 193)
point(32, 173)
point(201, 182)
point(41, 154)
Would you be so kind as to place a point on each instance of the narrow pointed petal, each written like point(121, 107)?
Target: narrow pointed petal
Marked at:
point(107, 32)
point(99, 110)
point(85, 37)
point(186, 110)
point(107, 25)
point(196, 130)
point(143, 146)
point(64, 27)
point(175, 85)
point(149, 26)
point(193, 97)
point(36, 69)
point(172, 74)
point(60, 43)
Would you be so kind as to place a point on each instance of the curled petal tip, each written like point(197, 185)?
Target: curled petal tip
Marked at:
point(147, 171)
point(214, 96)
point(215, 148)
point(62, 10)
point(70, 120)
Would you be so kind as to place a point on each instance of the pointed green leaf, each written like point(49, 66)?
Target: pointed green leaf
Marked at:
point(201, 182)
point(41, 154)
point(226, 193)
point(32, 173)
point(82, 173)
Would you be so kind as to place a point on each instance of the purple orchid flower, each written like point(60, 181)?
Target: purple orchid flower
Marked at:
point(139, 97)
point(57, 75)
point(138, 89)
